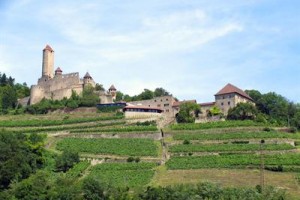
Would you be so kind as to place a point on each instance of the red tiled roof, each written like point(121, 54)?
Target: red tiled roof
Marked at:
point(112, 87)
point(229, 88)
point(207, 104)
point(178, 103)
point(87, 75)
point(48, 48)
point(58, 70)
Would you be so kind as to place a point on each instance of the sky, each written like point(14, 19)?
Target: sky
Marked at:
point(192, 48)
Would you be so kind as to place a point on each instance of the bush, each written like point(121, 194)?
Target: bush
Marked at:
point(72, 104)
point(293, 130)
point(297, 143)
point(66, 161)
point(267, 129)
point(137, 159)
point(278, 168)
point(186, 142)
point(146, 123)
point(130, 159)
point(240, 142)
point(109, 109)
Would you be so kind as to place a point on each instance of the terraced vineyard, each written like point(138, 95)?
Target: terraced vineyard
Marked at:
point(124, 174)
point(197, 149)
point(123, 147)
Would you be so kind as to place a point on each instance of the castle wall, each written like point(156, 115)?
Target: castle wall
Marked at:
point(105, 98)
point(36, 94)
point(227, 101)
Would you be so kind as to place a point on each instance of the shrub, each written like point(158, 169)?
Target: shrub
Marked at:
point(297, 143)
point(278, 168)
point(146, 123)
point(186, 142)
point(130, 159)
point(240, 142)
point(293, 130)
point(267, 129)
point(137, 159)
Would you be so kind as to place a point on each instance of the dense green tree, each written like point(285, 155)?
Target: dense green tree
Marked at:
point(22, 90)
point(158, 92)
point(254, 94)
point(8, 97)
point(145, 95)
point(93, 189)
point(66, 161)
point(242, 111)
point(119, 96)
point(213, 111)
point(89, 97)
point(99, 87)
point(19, 157)
point(36, 187)
point(187, 112)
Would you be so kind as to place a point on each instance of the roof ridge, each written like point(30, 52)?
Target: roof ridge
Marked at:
point(229, 88)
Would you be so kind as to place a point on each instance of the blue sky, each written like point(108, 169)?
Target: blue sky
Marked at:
point(192, 48)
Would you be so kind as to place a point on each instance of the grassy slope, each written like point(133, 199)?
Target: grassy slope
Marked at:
point(226, 177)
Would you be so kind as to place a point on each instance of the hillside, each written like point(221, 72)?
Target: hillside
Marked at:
point(227, 153)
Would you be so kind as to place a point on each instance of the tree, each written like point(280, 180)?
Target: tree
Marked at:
point(242, 111)
point(93, 189)
point(213, 111)
point(99, 87)
point(254, 94)
point(119, 96)
point(22, 90)
point(66, 161)
point(158, 92)
point(9, 97)
point(145, 95)
point(89, 98)
point(187, 112)
point(19, 157)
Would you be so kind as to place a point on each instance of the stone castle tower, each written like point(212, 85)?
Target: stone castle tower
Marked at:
point(48, 62)
point(57, 85)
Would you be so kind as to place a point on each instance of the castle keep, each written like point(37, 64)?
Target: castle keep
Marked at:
point(56, 85)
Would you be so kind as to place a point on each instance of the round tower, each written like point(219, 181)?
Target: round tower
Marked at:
point(58, 72)
point(113, 91)
point(88, 80)
point(48, 62)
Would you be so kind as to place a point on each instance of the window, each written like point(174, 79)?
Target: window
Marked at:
point(223, 97)
point(167, 110)
point(222, 104)
point(158, 105)
point(228, 102)
point(155, 100)
point(167, 99)
point(161, 100)
point(166, 104)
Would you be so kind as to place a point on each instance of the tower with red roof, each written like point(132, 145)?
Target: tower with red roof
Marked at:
point(48, 62)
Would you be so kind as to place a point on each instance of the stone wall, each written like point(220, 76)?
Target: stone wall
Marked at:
point(56, 88)
point(134, 115)
point(165, 103)
point(227, 101)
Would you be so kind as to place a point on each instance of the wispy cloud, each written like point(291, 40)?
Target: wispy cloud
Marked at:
point(192, 48)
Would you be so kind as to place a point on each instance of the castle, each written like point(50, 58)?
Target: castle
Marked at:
point(55, 85)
